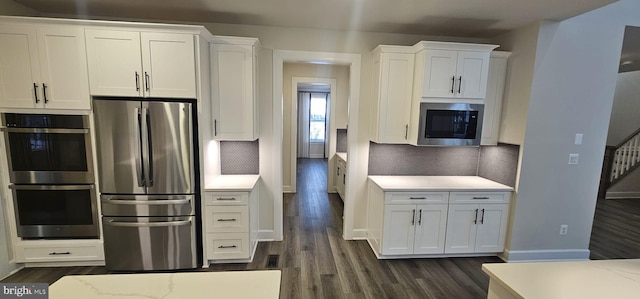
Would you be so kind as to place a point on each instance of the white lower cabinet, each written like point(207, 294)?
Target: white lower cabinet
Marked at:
point(230, 226)
point(341, 176)
point(59, 251)
point(402, 223)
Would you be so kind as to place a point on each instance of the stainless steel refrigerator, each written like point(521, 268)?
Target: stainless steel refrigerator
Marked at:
point(147, 183)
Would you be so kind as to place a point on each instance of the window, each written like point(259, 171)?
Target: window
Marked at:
point(317, 117)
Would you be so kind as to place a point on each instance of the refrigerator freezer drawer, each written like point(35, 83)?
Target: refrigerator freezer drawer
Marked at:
point(149, 243)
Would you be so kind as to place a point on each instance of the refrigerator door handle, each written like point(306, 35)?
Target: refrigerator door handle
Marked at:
point(150, 149)
point(138, 146)
point(150, 224)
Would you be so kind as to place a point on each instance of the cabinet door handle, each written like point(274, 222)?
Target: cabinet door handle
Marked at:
point(226, 198)
point(417, 198)
point(44, 93)
point(215, 127)
point(146, 81)
point(59, 253)
point(137, 82)
point(35, 92)
point(344, 178)
point(338, 171)
point(227, 246)
point(460, 85)
point(406, 132)
point(480, 197)
point(420, 218)
point(453, 84)
point(413, 217)
point(482, 218)
point(226, 219)
point(475, 219)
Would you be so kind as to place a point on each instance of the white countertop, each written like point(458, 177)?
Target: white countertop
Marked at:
point(436, 183)
point(342, 156)
point(192, 285)
point(232, 183)
point(568, 280)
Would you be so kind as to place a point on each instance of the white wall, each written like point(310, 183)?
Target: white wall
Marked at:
point(626, 106)
point(571, 92)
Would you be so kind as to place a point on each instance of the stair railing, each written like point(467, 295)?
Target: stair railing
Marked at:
point(626, 157)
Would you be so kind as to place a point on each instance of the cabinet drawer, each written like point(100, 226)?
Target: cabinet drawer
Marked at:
point(61, 253)
point(480, 197)
point(227, 246)
point(415, 197)
point(226, 198)
point(227, 219)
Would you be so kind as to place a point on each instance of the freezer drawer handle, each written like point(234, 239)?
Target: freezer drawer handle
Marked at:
point(148, 202)
point(226, 198)
point(150, 224)
point(227, 246)
point(59, 253)
point(483, 197)
point(227, 219)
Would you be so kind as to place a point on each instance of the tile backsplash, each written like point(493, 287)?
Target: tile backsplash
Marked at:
point(239, 157)
point(341, 140)
point(498, 163)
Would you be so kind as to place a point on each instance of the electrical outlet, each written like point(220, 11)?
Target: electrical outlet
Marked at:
point(564, 229)
point(573, 159)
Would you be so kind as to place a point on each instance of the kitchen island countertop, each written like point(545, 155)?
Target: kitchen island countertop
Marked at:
point(437, 183)
point(232, 183)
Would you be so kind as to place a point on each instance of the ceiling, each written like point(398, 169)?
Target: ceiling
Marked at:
point(468, 18)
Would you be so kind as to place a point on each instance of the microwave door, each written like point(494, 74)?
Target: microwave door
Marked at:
point(168, 147)
point(119, 146)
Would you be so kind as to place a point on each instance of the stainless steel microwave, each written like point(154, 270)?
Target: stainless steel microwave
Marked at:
point(450, 124)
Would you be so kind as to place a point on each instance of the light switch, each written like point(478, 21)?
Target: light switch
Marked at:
point(573, 159)
point(578, 140)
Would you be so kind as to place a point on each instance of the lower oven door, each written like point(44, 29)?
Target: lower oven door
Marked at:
point(149, 243)
point(50, 211)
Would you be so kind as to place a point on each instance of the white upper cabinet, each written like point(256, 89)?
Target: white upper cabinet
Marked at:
point(493, 101)
point(393, 83)
point(452, 70)
point(141, 64)
point(43, 67)
point(233, 88)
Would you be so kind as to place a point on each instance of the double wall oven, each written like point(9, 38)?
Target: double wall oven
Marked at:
point(50, 163)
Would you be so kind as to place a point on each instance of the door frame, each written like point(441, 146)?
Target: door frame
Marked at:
point(354, 63)
point(330, 143)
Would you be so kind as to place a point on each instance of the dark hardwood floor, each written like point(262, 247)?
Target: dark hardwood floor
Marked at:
point(317, 263)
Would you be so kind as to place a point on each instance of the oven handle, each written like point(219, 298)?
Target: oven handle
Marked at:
point(45, 130)
point(149, 224)
point(51, 187)
point(147, 202)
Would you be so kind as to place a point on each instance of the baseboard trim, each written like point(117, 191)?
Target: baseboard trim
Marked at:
point(267, 236)
point(621, 195)
point(288, 189)
point(14, 271)
point(548, 255)
point(359, 234)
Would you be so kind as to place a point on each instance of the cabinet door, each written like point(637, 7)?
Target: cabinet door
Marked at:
point(493, 100)
point(492, 226)
point(115, 65)
point(461, 228)
point(168, 63)
point(440, 71)
point(63, 66)
point(233, 92)
point(431, 228)
point(399, 228)
point(471, 74)
point(19, 68)
point(394, 99)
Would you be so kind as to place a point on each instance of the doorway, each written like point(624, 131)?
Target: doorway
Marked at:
point(313, 120)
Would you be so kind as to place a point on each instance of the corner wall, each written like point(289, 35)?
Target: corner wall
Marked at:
point(571, 92)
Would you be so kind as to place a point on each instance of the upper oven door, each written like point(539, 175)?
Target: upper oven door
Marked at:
point(43, 151)
point(450, 124)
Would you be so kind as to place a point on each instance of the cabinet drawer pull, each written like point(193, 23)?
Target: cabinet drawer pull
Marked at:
point(227, 219)
point(59, 253)
point(226, 198)
point(480, 197)
point(475, 219)
point(417, 198)
point(227, 246)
